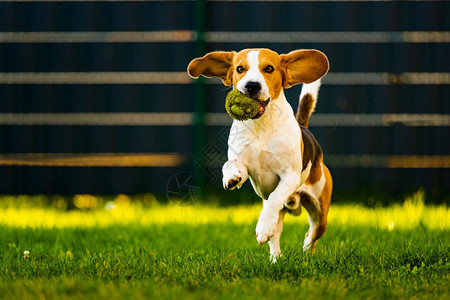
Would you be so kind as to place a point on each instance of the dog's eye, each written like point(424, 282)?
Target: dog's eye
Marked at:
point(269, 69)
point(240, 69)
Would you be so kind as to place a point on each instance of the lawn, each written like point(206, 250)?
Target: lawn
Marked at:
point(141, 250)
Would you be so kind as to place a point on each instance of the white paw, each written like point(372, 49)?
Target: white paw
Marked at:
point(266, 227)
point(232, 180)
point(306, 248)
point(234, 175)
point(307, 243)
point(275, 256)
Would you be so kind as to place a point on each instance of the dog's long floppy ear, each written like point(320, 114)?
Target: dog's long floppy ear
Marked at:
point(303, 66)
point(214, 64)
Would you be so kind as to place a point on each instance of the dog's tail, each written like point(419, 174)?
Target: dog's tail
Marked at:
point(307, 103)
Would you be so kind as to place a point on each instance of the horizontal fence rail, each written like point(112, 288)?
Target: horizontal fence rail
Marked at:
point(329, 37)
point(93, 159)
point(212, 119)
point(387, 161)
point(99, 37)
point(226, 37)
point(336, 78)
point(95, 78)
point(98, 119)
point(367, 120)
point(386, 78)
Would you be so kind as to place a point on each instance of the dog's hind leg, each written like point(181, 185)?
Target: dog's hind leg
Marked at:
point(317, 227)
point(317, 207)
point(317, 221)
point(274, 242)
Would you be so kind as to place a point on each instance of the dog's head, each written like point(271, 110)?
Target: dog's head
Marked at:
point(261, 73)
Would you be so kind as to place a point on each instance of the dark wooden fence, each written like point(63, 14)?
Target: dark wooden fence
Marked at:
point(94, 97)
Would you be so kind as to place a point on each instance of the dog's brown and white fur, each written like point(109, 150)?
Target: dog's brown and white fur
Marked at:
point(275, 149)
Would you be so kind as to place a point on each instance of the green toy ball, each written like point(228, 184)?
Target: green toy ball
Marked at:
point(241, 107)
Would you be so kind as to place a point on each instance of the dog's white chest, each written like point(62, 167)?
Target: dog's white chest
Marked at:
point(263, 173)
point(267, 151)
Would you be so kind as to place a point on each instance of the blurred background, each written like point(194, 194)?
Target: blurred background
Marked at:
point(95, 99)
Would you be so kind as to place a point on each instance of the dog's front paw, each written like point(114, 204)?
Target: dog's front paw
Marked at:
point(232, 183)
point(234, 175)
point(266, 227)
point(232, 178)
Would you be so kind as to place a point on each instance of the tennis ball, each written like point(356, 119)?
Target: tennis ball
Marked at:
point(241, 107)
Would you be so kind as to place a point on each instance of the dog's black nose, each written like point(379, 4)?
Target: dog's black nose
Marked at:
point(253, 87)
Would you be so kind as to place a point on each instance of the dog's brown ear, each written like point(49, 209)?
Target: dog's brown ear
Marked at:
point(303, 66)
point(214, 64)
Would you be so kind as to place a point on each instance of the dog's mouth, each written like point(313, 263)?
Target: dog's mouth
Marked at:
point(262, 108)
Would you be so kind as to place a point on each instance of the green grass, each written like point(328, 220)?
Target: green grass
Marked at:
point(163, 251)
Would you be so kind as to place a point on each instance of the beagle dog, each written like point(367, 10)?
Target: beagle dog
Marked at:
point(275, 149)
